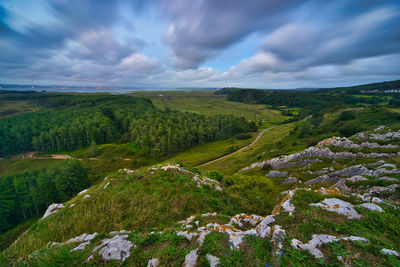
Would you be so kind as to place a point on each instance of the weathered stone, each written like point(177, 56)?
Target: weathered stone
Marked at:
point(186, 234)
point(82, 246)
point(390, 252)
point(318, 240)
point(389, 179)
point(82, 192)
point(154, 262)
point(337, 175)
point(356, 178)
point(53, 208)
point(263, 229)
point(191, 258)
point(277, 239)
point(276, 174)
point(212, 260)
point(239, 219)
point(115, 248)
point(371, 206)
point(338, 206)
point(341, 185)
point(290, 180)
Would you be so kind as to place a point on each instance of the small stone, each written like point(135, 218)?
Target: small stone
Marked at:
point(154, 262)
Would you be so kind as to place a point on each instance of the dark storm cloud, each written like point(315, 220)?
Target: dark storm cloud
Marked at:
point(200, 29)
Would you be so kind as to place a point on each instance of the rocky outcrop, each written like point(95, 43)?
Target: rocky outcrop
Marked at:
point(53, 208)
point(318, 240)
point(337, 175)
point(290, 180)
point(313, 152)
point(276, 174)
point(343, 142)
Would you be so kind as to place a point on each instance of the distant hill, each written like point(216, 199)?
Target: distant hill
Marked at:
point(381, 86)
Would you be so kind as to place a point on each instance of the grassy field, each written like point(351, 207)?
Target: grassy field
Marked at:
point(206, 103)
point(8, 108)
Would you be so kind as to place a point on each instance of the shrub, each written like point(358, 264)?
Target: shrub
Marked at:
point(215, 175)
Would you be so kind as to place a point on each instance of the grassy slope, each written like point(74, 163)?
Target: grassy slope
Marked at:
point(147, 200)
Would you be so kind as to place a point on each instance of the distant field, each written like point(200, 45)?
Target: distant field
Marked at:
point(206, 103)
point(8, 108)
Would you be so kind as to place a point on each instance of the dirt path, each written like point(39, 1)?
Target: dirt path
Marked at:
point(237, 151)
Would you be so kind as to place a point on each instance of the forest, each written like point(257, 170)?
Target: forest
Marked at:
point(68, 122)
point(28, 194)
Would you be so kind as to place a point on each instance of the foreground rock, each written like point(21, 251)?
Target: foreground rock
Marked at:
point(115, 248)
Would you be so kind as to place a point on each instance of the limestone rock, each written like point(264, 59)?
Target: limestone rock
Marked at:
point(371, 206)
point(339, 206)
point(82, 192)
point(191, 258)
point(186, 234)
point(337, 175)
point(115, 248)
point(53, 208)
point(290, 180)
point(277, 239)
point(276, 174)
point(212, 260)
point(263, 229)
point(154, 262)
point(356, 178)
point(318, 240)
point(81, 246)
point(386, 251)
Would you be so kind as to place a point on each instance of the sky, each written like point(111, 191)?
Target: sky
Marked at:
point(202, 43)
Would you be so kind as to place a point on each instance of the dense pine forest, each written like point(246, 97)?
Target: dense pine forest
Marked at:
point(28, 194)
point(68, 122)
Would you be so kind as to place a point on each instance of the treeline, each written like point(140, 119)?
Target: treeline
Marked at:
point(28, 194)
point(309, 102)
point(69, 122)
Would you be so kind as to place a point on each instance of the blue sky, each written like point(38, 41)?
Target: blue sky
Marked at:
point(202, 43)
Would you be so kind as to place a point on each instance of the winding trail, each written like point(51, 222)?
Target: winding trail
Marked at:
point(237, 151)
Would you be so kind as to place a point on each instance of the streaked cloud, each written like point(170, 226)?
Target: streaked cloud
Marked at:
point(173, 43)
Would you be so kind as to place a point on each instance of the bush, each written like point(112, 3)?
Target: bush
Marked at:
point(347, 115)
point(350, 129)
point(215, 175)
point(267, 167)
